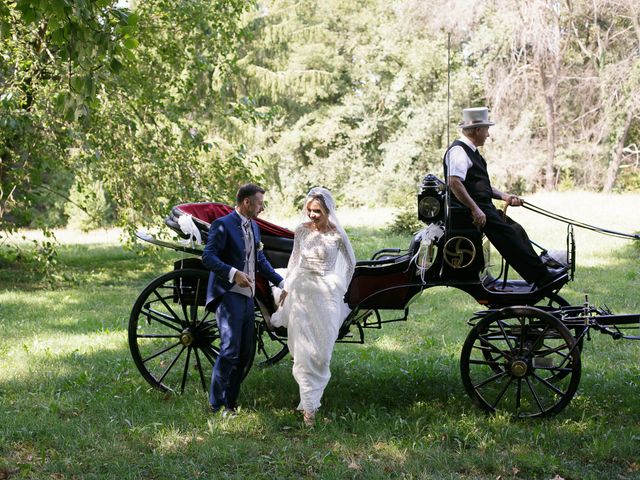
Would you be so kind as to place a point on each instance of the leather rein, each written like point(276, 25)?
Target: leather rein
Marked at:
point(555, 216)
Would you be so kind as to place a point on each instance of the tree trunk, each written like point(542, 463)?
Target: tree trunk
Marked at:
point(614, 166)
point(549, 55)
point(549, 177)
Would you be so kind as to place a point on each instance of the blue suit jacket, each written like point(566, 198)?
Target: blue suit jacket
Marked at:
point(225, 249)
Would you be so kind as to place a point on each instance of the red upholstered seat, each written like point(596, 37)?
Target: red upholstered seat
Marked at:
point(205, 213)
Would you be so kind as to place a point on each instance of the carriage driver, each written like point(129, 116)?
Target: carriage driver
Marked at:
point(468, 179)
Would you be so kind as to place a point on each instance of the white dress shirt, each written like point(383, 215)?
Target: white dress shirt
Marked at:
point(458, 162)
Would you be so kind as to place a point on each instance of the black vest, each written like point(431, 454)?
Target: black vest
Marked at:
point(477, 179)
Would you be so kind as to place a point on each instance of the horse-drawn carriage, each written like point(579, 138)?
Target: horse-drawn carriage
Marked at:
point(521, 355)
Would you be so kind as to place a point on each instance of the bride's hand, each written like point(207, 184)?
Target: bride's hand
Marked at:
point(283, 295)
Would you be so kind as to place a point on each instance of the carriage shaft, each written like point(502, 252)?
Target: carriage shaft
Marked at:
point(602, 320)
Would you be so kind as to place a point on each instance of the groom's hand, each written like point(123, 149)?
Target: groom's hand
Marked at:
point(242, 280)
point(283, 295)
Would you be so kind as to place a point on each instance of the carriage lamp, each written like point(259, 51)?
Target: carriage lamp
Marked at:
point(430, 199)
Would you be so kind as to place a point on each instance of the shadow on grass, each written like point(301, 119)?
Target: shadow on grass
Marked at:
point(111, 277)
point(403, 363)
point(390, 371)
point(397, 398)
point(393, 405)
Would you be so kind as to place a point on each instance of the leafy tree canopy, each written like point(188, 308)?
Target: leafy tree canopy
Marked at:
point(93, 92)
point(167, 102)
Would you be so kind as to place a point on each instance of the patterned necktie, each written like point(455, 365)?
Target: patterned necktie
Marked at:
point(247, 236)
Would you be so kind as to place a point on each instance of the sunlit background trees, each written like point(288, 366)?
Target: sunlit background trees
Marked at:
point(112, 112)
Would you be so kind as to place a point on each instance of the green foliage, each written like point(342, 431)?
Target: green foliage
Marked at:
point(54, 56)
point(406, 222)
point(88, 207)
point(171, 102)
point(134, 100)
point(36, 260)
point(629, 180)
point(46, 258)
point(159, 138)
point(46, 203)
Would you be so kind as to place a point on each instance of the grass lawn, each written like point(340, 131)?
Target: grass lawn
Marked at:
point(73, 404)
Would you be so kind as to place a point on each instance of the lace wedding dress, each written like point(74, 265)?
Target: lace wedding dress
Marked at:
point(314, 309)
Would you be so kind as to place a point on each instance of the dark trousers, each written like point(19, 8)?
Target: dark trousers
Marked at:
point(235, 317)
point(511, 240)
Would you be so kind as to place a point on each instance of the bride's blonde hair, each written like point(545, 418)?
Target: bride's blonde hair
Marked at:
point(320, 199)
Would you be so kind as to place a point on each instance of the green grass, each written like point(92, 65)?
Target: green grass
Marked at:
point(73, 405)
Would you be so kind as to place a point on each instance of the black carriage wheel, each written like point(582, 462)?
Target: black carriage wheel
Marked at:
point(173, 339)
point(271, 344)
point(553, 301)
point(533, 370)
point(556, 301)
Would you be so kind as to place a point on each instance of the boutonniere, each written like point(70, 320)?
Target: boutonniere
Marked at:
point(260, 246)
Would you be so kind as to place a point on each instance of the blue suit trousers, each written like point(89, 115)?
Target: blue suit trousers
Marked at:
point(235, 317)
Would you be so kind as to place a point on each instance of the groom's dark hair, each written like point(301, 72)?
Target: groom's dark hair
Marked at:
point(247, 190)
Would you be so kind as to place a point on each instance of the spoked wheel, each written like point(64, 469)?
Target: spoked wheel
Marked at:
point(533, 366)
point(554, 300)
point(271, 344)
point(174, 340)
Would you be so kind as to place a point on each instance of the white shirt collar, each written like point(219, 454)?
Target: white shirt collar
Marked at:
point(242, 217)
point(466, 140)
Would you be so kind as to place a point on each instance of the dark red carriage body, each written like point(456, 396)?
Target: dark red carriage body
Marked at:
point(387, 283)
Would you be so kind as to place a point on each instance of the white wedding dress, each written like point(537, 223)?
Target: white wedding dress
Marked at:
point(314, 309)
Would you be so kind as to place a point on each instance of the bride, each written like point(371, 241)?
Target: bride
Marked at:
point(311, 303)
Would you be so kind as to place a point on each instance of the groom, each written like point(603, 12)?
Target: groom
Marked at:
point(233, 256)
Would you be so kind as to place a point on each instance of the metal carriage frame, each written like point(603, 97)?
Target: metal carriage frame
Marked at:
point(522, 354)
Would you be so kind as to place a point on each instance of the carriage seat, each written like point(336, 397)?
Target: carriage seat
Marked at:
point(385, 283)
point(202, 214)
point(494, 284)
point(205, 213)
point(378, 263)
